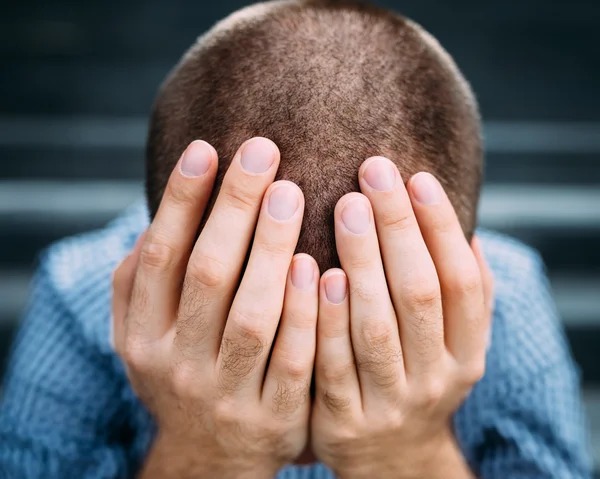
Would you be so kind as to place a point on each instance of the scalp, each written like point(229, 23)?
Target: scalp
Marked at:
point(331, 83)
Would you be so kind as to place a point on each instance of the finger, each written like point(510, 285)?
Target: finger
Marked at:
point(336, 379)
point(287, 384)
point(122, 286)
point(411, 276)
point(257, 306)
point(373, 324)
point(168, 243)
point(460, 278)
point(216, 262)
point(488, 284)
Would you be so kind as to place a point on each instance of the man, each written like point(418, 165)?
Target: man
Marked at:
point(222, 327)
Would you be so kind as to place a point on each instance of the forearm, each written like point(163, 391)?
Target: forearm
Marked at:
point(172, 460)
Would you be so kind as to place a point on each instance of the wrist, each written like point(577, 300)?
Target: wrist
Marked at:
point(432, 460)
point(172, 458)
point(444, 456)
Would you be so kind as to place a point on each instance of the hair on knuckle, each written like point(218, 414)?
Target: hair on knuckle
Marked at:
point(335, 403)
point(381, 365)
point(289, 396)
point(240, 357)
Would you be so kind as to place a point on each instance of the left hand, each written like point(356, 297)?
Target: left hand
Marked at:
point(398, 354)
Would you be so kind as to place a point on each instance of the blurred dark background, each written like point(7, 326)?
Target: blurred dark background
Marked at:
point(78, 79)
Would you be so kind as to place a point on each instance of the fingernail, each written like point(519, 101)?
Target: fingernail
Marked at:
point(257, 155)
point(303, 272)
point(283, 202)
point(356, 216)
point(335, 288)
point(196, 159)
point(426, 189)
point(380, 174)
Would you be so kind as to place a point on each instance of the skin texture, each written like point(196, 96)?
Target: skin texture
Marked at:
point(391, 363)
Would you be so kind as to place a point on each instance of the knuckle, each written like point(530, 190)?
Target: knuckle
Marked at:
point(242, 353)
point(338, 373)
point(340, 442)
point(192, 315)
point(239, 197)
point(193, 326)
point(182, 195)
point(207, 271)
point(424, 299)
point(382, 373)
point(274, 247)
point(297, 370)
point(225, 414)
point(381, 366)
point(441, 223)
point(430, 393)
point(466, 283)
point(396, 222)
point(473, 371)
point(136, 355)
point(183, 379)
point(421, 294)
point(334, 403)
point(359, 261)
point(249, 327)
point(376, 334)
point(157, 255)
point(363, 292)
point(302, 318)
point(274, 434)
point(290, 396)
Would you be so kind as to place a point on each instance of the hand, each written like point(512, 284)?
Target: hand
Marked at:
point(196, 345)
point(401, 334)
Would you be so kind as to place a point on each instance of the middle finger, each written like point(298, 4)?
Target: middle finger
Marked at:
point(373, 325)
point(257, 307)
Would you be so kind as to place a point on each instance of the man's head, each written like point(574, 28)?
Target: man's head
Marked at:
point(331, 83)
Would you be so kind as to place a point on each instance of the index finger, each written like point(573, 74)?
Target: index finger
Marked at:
point(169, 241)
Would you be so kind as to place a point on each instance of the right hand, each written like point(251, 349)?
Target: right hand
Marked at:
point(197, 342)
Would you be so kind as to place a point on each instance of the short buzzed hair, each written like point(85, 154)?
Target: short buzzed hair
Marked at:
point(331, 83)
